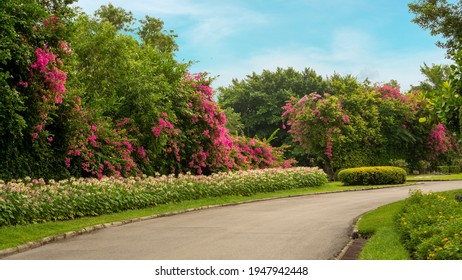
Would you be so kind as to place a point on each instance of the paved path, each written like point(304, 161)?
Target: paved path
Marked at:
point(308, 227)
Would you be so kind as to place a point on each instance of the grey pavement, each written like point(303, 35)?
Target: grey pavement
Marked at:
point(307, 227)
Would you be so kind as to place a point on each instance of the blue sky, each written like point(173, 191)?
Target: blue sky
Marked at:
point(233, 38)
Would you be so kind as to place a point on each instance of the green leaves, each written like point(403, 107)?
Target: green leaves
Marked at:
point(430, 226)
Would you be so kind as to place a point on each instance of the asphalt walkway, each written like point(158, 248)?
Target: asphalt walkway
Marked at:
point(308, 227)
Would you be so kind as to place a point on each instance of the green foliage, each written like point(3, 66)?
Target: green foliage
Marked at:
point(259, 99)
point(430, 226)
point(34, 201)
point(423, 166)
point(152, 33)
point(336, 130)
point(441, 18)
point(435, 77)
point(375, 175)
point(30, 89)
point(448, 169)
point(118, 17)
point(399, 163)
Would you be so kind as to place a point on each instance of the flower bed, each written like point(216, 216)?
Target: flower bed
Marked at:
point(34, 201)
point(431, 226)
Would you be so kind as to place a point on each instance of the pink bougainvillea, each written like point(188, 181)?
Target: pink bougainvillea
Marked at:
point(439, 141)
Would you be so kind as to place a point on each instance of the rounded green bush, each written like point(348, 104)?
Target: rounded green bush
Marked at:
point(373, 175)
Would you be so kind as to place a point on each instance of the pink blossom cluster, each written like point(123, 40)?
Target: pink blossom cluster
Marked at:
point(439, 141)
point(100, 151)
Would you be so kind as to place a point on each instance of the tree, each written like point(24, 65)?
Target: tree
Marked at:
point(259, 99)
point(152, 33)
point(33, 56)
point(441, 18)
point(121, 19)
point(435, 77)
point(445, 19)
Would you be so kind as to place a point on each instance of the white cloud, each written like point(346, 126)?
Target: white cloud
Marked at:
point(208, 23)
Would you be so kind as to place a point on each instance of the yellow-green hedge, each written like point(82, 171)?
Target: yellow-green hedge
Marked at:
point(373, 175)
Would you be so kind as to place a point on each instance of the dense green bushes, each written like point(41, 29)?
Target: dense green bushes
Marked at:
point(32, 201)
point(376, 175)
point(431, 226)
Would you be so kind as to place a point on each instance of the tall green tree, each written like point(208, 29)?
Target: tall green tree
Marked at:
point(435, 77)
point(119, 17)
point(152, 33)
point(443, 18)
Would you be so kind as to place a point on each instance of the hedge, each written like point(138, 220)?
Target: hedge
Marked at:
point(374, 175)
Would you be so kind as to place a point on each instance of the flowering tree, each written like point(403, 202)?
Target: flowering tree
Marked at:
point(33, 79)
point(337, 130)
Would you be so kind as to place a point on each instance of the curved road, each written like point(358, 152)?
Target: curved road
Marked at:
point(307, 227)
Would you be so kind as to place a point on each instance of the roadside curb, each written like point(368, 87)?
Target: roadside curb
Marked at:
point(71, 234)
point(353, 247)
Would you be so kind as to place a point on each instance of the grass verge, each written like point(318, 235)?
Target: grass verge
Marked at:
point(12, 236)
point(384, 243)
point(432, 177)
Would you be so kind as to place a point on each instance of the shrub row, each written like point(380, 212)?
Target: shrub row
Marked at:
point(34, 201)
point(430, 226)
point(375, 175)
point(449, 169)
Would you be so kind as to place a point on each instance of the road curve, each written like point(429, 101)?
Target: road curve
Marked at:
point(307, 227)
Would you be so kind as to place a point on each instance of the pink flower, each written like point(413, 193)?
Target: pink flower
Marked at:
point(50, 139)
point(23, 84)
point(345, 118)
point(68, 162)
point(156, 130)
point(162, 122)
point(129, 146)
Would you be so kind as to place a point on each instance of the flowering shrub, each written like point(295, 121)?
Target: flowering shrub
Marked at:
point(431, 226)
point(338, 132)
point(440, 141)
point(32, 201)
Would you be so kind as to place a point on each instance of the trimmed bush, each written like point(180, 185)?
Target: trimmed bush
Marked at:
point(448, 169)
point(374, 175)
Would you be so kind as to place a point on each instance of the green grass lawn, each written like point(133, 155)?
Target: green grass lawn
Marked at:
point(384, 243)
point(432, 177)
point(12, 236)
